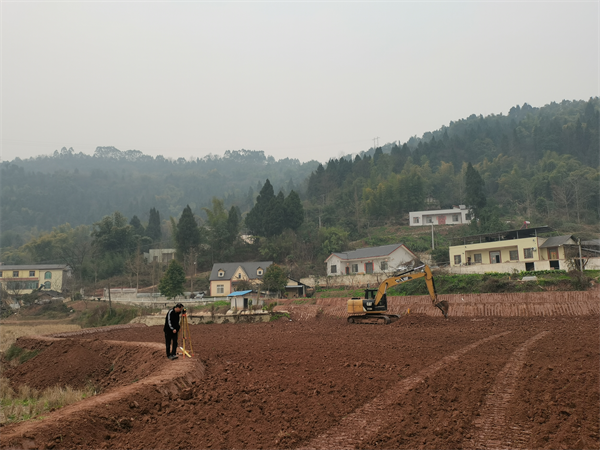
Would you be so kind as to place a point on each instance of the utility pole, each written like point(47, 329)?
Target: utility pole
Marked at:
point(375, 142)
point(432, 240)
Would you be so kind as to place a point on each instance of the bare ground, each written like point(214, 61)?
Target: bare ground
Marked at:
point(317, 382)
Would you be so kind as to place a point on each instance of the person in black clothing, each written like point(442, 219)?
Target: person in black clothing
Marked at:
point(172, 329)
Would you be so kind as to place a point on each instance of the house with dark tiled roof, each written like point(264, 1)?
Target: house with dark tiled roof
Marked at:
point(382, 259)
point(225, 276)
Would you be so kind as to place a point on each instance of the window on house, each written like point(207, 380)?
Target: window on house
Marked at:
point(32, 273)
point(457, 260)
point(455, 218)
point(514, 255)
point(155, 258)
point(48, 275)
point(477, 258)
point(415, 220)
point(20, 285)
point(220, 288)
point(47, 285)
point(383, 265)
point(0, 274)
point(239, 275)
point(259, 272)
point(221, 274)
point(429, 220)
point(528, 253)
point(333, 268)
point(354, 268)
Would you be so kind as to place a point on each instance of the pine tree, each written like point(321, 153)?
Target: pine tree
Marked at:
point(475, 191)
point(138, 228)
point(233, 223)
point(256, 218)
point(188, 234)
point(275, 216)
point(153, 230)
point(293, 210)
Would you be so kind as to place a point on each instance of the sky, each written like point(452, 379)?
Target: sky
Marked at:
point(310, 81)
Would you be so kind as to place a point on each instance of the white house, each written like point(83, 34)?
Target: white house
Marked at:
point(369, 260)
point(455, 216)
point(161, 255)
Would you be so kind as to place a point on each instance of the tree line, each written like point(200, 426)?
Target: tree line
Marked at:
point(535, 164)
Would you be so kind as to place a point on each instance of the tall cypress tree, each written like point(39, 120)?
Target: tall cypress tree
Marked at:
point(138, 228)
point(274, 219)
point(256, 218)
point(153, 230)
point(187, 238)
point(293, 210)
point(475, 192)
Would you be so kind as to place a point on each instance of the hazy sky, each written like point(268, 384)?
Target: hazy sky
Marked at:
point(298, 80)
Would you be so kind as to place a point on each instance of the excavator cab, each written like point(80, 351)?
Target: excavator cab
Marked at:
point(370, 301)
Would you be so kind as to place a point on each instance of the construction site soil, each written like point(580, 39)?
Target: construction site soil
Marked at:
point(474, 382)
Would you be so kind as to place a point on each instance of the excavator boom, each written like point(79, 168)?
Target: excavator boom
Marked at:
point(372, 309)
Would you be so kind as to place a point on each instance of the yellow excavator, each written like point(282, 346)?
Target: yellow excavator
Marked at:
point(372, 308)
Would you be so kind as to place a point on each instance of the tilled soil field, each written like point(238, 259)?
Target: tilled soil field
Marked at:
point(421, 382)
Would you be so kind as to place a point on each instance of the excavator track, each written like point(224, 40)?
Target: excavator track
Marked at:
point(376, 319)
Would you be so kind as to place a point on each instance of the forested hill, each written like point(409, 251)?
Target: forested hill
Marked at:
point(537, 163)
point(75, 188)
point(569, 127)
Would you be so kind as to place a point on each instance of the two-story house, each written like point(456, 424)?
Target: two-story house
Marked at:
point(24, 279)
point(455, 216)
point(369, 260)
point(224, 276)
point(522, 250)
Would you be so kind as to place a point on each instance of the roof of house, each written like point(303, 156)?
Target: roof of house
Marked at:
point(501, 236)
point(370, 252)
point(34, 267)
point(435, 212)
point(238, 293)
point(557, 241)
point(229, 268)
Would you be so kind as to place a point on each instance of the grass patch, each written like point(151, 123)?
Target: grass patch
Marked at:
point(28, 403)
point(278, 315)
point(487, 283)
point(21, 354)
point(105, 316)
point(217, 304)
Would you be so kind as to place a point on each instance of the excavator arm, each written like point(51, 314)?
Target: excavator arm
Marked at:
point(410, 275)
point(374, 306)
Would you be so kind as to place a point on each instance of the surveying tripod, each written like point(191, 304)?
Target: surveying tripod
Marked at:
point(185, 336)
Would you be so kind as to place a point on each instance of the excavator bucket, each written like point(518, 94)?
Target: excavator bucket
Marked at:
point(443, 306)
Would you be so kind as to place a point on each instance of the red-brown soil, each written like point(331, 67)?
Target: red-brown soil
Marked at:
point(421, 382)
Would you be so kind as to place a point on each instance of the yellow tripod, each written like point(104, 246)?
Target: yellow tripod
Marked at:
point(185, 336)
